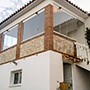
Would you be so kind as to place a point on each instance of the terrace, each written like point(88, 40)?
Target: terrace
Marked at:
point(48, 29)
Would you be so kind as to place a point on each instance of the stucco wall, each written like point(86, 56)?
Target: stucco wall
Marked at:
point(56, 69)
point(80, 37)
point(39, 72)
point(79, 34)
point(81, 78)
point(87, 22)
point(84, 65)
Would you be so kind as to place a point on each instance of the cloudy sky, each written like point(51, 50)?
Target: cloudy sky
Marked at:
point(7, 7)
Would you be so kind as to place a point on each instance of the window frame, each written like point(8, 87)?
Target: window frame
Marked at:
point(26, 19)
point(9, 29)
point(70, 14)
point(12, 79)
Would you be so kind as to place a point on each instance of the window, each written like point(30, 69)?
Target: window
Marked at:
point(33, 26)
point(16, 77)
point(9, 38)
point(65, 23)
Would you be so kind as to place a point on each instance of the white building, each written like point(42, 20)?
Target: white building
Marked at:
point(42, 43)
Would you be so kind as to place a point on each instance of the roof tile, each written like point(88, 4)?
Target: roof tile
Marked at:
point(17, 11)
point(76, 6)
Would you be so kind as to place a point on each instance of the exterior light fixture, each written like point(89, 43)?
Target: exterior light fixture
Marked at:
point(60, 8)
point(7, 30)
point(14, 62)
point(36, 12)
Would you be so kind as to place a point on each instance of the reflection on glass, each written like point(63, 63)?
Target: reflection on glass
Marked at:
point(9, 38)
point(16, 76)
point(33, 26)
point(65, 24)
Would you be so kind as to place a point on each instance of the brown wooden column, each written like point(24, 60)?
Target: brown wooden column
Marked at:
point(48, 27)
point(18, 40)
point(0, 42)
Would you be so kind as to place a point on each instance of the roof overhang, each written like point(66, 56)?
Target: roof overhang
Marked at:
point(23, 11)
point(63, 3)
point(72, 8)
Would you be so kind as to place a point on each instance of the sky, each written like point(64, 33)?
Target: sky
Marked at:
point(8, 7)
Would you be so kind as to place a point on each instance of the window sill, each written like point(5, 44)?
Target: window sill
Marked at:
point(17, 85)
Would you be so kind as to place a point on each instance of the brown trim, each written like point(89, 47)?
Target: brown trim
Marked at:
point(32, 38)
point(32, 54)
point(18, 40)
point(8, 48)
point(0, 42)
point(67, 57)
point(5, 62)
point(24, 56)
point(64, 37)
point(74, 58)
point(48, 27)
point(63, 55)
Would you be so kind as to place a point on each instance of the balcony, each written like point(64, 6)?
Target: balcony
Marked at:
point(68, 47)
point(27, 48)
point(58, 32)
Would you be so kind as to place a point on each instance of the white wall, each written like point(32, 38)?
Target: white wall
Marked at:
point(56, 69)
point(87, 22)
point(81, 78)
point(81, 34)
point(38, 72)
point(84, 65)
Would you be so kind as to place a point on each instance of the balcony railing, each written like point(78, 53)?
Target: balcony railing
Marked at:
point(69, 46)
point(83, 51)
point(63, 44)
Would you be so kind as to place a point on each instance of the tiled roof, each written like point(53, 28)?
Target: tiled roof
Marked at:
point(76, 6)
point(32, 2)
point(17, 11)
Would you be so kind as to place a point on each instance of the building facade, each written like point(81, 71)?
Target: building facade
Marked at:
point(42, 43)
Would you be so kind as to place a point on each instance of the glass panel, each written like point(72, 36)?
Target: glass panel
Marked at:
point(65, 24)
point(67, 72)
point(9, 38)
point(33, 26)
point(16, 76)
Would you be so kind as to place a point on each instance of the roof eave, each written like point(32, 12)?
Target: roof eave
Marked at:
point(72, 8)
point(23, 11)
